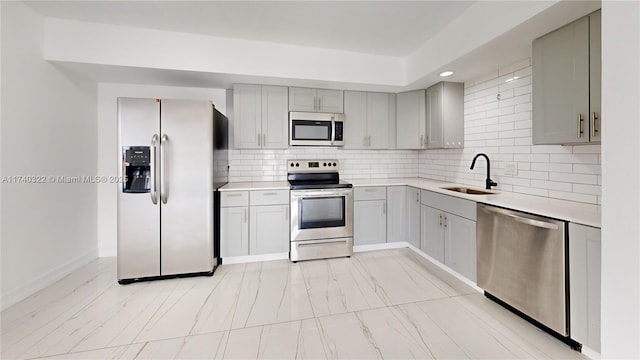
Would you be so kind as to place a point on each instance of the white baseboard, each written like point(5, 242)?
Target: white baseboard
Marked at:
point(383, 246)
point(446, 268)
point(32, 286)
point(590, 353)
point(254, 258)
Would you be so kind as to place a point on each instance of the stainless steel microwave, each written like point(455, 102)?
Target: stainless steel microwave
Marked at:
point(316, 129)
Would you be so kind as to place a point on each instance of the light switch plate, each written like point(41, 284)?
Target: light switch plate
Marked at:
point(511, 169)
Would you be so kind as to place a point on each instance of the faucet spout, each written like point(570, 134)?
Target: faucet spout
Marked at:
point(488, 182)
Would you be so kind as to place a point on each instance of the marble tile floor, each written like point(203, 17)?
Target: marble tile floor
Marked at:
point(389, 304)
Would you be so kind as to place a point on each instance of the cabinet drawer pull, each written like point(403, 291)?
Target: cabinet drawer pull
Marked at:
point(233, 195)
point(269, 193)
point(580, 120)
point(244, 215)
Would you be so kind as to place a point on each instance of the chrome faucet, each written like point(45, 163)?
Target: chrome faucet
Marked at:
point(489, 182)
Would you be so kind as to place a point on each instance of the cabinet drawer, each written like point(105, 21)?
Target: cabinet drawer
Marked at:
point(450, 204)
point(234, 198)
point(370, 193)
point(269, 197)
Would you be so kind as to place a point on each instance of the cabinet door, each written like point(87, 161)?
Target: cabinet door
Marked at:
point(302, 99)
point(234, 231)
point(412, 214)
point(410, 120)
point(585, 284)
point(275, 107)
point(452, 115)
point(369, 222)
point(561, 85)
point(595, 81)
point(247, 108)
point(431, 232)
point(460, 245)
point(355, 127)
point(269, 229)
point(396, 213)
point(434, 119)
point(378, 120)
point(330, 101)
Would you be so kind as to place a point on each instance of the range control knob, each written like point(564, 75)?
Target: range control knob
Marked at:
point(324, 164)
point(297, 164)
point(291, 164)
point(334, 164)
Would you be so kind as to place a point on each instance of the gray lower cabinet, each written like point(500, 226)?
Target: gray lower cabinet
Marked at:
point(254, 222)
point(432, 232)
point(412, 217)
point(585, 284)
point(234, 223)
point(370, 215)
point(460, 245)
point(448, 231)
point(269, 229)
point(566, 83)
point(396, 214)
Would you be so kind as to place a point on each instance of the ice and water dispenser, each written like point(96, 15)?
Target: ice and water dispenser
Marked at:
point(137, 169)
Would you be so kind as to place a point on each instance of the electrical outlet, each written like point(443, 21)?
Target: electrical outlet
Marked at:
point(511, 169)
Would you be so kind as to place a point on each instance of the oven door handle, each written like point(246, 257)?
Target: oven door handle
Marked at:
point(309, 194)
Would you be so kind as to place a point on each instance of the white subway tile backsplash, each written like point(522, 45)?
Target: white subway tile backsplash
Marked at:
point(504, 133)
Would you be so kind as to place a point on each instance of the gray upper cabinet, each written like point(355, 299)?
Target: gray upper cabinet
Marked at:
point(315, 100)
point(260, 117)
point(444, 116)
point(370, 120)
point(566, 84)
point(410, 120)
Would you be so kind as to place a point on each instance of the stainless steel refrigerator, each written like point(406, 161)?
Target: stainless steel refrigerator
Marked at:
point(174, 157)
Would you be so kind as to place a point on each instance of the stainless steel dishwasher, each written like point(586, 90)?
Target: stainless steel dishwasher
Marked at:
point(521, 262)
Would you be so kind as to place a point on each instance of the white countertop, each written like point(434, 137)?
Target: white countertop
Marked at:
point(257, 185)
point(580, 213)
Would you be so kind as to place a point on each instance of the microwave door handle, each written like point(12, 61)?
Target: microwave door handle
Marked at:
point(333, 131)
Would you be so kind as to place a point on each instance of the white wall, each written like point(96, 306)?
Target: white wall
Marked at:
point(621, 180)
point(502, 130)
point(48, 128)
point(109, 154)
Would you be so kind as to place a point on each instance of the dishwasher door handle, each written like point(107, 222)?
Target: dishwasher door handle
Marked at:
point(525, 220)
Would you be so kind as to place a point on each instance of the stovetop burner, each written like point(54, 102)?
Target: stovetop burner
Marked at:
point(315, 174)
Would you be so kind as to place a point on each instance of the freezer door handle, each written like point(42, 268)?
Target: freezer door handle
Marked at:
point(154, 188)
point(163, 178)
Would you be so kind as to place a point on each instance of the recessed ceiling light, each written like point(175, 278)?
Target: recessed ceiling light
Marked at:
point(446, 73)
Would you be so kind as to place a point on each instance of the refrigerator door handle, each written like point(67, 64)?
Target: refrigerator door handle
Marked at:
point(154, 188)
point(163, 177)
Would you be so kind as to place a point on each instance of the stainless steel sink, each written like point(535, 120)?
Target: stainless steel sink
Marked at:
point(468, 190)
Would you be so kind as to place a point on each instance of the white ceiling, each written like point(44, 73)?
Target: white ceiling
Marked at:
point(393, 28)
point(388, 28)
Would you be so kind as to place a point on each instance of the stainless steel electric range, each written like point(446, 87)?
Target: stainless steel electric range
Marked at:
point(321, 210)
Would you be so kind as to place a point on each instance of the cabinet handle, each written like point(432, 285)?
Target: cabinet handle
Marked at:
point(269, 193)
point(384, 208)
point(418, 197)
point(594, 121)
point(233, 195)
point(286, 213)
point(369, 140)
point(315, 104)
point(445, 221)
point(244, 215)
point(264, 139)
point(580, 120)
point(440, 219)
point(319, 103)
point(428, 140)
point(259, 140)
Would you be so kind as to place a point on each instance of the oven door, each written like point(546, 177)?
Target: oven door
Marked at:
point(321, 214)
